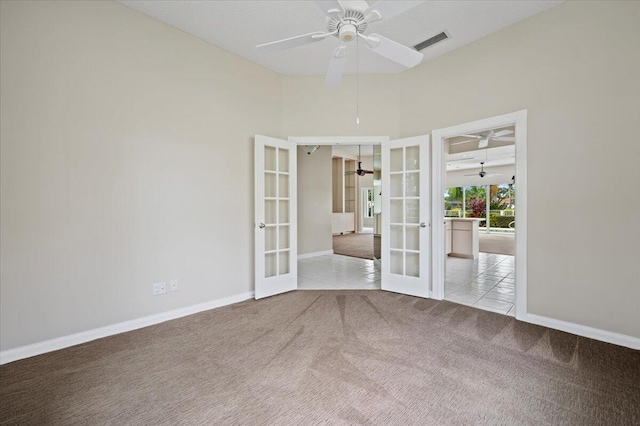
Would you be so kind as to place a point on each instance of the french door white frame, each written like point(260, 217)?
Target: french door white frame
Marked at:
point(281, 276)
point(400, 280)
point(438, 168)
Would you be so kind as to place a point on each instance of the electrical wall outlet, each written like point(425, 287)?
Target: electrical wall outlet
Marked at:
point(173, 285)
point(159, 288)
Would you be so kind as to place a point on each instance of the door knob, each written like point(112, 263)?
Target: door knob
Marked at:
point(423, 225)
point(261, 225)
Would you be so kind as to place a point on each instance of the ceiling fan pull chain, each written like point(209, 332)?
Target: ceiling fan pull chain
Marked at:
point(357, 86)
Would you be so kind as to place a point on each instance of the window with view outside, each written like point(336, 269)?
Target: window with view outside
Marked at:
point(471, 201)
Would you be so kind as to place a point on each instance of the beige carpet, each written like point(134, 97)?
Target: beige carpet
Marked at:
point(329, 357)
point(498, 243)
point(354, 245)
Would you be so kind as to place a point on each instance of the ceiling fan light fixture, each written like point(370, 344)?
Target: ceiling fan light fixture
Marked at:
point(347, 32)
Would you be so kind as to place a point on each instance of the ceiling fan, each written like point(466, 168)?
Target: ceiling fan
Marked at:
point(483, 139)
point(482, 173)
point(360, 171)
point(348, 20)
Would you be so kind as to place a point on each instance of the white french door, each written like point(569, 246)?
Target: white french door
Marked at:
point(406, 216)
point(276, 254)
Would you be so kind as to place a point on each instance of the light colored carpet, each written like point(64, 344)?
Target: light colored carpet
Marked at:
point(329, 357)
point(354, 245)
point(498, 243)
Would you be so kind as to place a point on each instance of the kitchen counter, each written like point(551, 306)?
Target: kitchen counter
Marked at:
point(462, 236)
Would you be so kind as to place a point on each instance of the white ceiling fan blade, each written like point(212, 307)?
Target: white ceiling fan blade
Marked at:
point(388, 9)
point(471, 136)
point(331, 8)
point(492, 174)
point(458, 143)
point(484, 142)
point(501, 133)
point(505, 139)
point(336, 66)
point(288, 43)
point(393, 50)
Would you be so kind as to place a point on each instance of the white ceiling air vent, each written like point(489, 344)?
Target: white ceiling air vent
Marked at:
point(431, 41)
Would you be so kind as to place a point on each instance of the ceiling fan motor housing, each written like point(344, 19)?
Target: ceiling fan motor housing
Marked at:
point(347, 32)
point(348, 26)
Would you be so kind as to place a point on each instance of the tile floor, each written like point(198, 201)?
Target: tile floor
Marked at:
point(336, 272)
point(486, 283)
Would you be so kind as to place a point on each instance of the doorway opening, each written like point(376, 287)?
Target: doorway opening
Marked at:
point(349, 261)
point(480, 250)
point(479, 209)
point(354, 174)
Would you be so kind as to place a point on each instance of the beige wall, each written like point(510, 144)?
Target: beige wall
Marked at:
point(575, 68)
point(127, 159)
point(314, 200)
point(310, 109)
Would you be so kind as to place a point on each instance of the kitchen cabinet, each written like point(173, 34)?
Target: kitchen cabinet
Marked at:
point(343, 223)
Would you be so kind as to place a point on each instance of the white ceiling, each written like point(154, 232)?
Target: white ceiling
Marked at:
point(238, 26)
point(498, 156)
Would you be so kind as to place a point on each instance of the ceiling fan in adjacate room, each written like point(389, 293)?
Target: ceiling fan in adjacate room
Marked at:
point(483, 139)
point(348, 20)
point(359, 171)
point(482, 173)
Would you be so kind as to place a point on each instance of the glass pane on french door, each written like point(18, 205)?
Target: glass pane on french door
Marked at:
point(277, 244)
point(404, 203)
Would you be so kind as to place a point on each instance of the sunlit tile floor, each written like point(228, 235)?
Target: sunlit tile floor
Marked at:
point(336, 272)
point(487, 282)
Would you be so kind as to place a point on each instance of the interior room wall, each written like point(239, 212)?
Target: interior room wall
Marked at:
point(575, 69)
point(310, 109)
point(314, 201)
point(126, 159)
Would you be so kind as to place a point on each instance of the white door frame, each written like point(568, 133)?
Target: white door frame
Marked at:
point(339, 140)
point(438, 168)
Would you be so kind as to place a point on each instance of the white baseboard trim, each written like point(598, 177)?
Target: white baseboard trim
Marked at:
point(584, 331)
point(22, 352)
point(318, 253)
